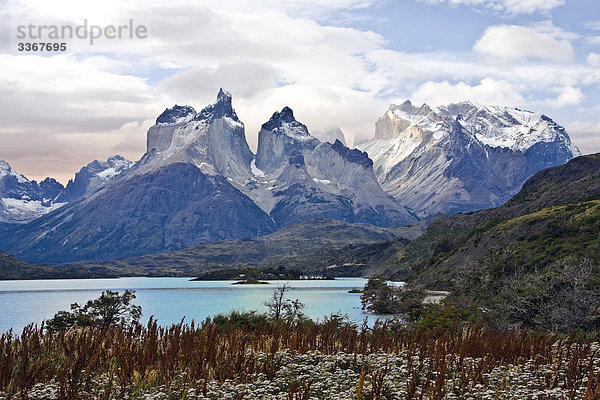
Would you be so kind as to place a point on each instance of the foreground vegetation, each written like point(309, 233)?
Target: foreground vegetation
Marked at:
point(249, 356)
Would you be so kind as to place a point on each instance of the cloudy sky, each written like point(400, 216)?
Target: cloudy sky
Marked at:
point(335, 62)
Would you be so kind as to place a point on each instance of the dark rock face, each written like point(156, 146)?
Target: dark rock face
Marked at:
point(297, 159)
point(301, 199)
point(175, 113)
point(306, 203)
point(221, 108)
point(285, 116)
point(51, 190)
point(175, 207)
point(352, 155)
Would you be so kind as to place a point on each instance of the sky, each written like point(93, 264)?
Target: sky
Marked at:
point(335, 63)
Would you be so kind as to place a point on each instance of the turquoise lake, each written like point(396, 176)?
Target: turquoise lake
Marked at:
point(171, 299)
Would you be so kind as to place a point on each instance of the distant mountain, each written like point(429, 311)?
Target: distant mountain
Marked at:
point(331, 135)
point(199, 182)
point(94, 176)
point(296, 177)
point(464, 156)
point(174, 197)
point(23, 200)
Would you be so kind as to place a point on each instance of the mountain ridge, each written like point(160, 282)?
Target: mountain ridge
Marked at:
point(464, 156)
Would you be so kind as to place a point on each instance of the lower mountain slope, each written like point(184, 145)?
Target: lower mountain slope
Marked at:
point(144, 214)
point(531, 262)
point(311, 246)
point(12, 269)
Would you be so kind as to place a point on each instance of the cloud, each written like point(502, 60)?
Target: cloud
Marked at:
point(595, 40)
point(267, 59)
point(568, 96)
point(586, 135)
point(509, 6)
point(594, 59)
point(489, 91)
point(593, 25)
point(60, 113)
point(513, 42)
point(244, 78)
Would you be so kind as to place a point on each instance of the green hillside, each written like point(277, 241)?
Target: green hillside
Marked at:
point(513, 264)
point(11, 269)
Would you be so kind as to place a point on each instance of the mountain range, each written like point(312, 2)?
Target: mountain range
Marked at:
point(199, 182)
point(23, 200)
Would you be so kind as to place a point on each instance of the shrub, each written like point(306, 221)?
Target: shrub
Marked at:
point(110, 309)
point(380, 297)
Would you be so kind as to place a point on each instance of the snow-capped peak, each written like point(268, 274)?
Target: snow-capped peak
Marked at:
point(284, 123)
point(409, 112)
point(6, 170)
point(506, 127)
point(176, 115)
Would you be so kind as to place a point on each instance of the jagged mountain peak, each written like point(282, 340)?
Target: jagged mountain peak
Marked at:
point(284, 122)
point(93, 176)
point(352, 155)
point(176, 115)
point(213, 140)
point(221, 108)
point(462, 156)
point(409, 107)
point(7, 170)
point(279, 138)
point(24, 200)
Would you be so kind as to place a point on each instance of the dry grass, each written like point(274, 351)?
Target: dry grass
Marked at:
point(119, 362)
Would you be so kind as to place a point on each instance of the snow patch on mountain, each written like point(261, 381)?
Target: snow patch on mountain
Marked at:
point(255, 170)
point(6, 170)
point(510, 128)
point(27, 209)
